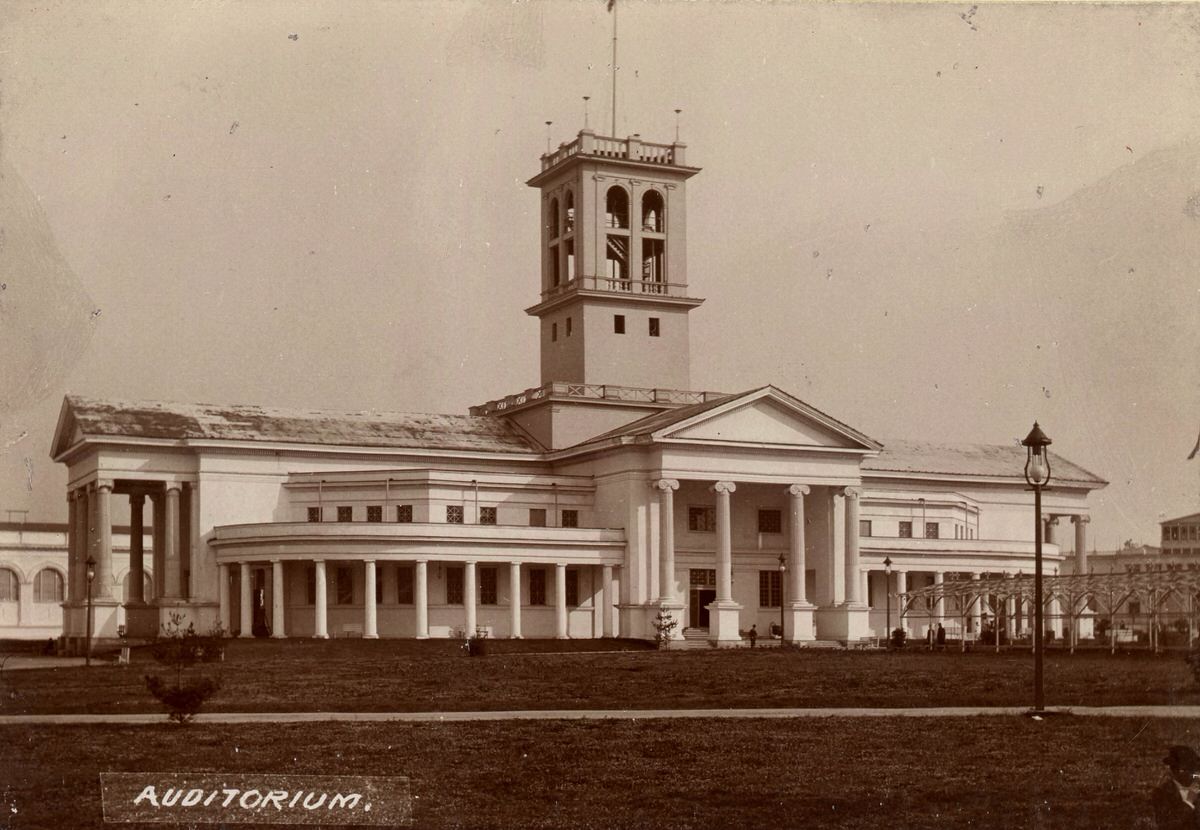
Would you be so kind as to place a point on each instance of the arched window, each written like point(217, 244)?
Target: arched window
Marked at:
point(552, 219)
point(652, 211)
point(10, 588)
point(570, 203)
point(48, 586)
point(616, 206)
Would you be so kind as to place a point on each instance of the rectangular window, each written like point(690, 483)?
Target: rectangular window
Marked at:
point(345, 514)
point(906, 530)
point(702, 519)
point(487, 515)
point(310, 577)
point(454, 514)
point(454, 585)
point(554, 332)
point(570, 518)
point(770, 589)
point(570, 328)
point(314, 514)
point(770, 521)
point(537, 586)
point(487, 586)
point(572, 588)
point(864, 527)
point(654, 330)
point(404, 513)
point(931, 530)
point(345, 585)
point(537, 517)
point(618, 324)
point(374, 513)
point(404, 585)
point(701, 577)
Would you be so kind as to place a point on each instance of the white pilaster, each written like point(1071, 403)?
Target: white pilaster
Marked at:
point(469, 598)
point(246, 622)
point(606, 599)
point(171, 559)
point(514, 598)
point(321, 603)
point(370, 621)
point(853, 569)
point(421, 597)
point(277, 623)
point(223, 597)
point(560, 600)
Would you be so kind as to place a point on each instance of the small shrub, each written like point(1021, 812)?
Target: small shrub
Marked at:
point(477, 645)
point(899, 637)
point(182, 649)
point(664, 627)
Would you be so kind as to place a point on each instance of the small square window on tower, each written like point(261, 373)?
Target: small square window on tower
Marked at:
point(314, 514)
point(454, 514)
point(487, 515)
point(618, 324)
point(568, 327)
point(553, 332)
point(345, 514)
point(374, 513)
point(654, 327)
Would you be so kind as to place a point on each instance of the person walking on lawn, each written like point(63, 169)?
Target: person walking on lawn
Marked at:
point(753, 634)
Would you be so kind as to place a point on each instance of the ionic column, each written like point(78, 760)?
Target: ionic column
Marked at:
point(560, 600)
point(853, 574)
point(421, 597)
point(1081, 560)
point(82, 544)
point(939, 607)
point(666, 488)
point(158, 508)
point(171, 559)
point(606, 600)
point(321, 603)
point(72, 553)
point(724, 541)
point(245, 605)
point(1051, 523)
point(137, 579)
point(102, 587)
point(514, 599)
point(901, 587)
point(370, 619)
point(277, 624)
point(469, 597)
point(796, 563)
point(223, 597)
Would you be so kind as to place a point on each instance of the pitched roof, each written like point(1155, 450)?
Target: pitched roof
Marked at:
point(176, 421)
point(983, 460)
point(659, 421)
point(1186, 518)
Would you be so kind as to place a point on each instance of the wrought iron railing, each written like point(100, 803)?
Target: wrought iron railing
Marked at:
point(618, 286)
point(597, 392)
point(632, 148)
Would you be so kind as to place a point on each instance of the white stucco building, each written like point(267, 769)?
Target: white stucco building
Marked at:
point(581, 507)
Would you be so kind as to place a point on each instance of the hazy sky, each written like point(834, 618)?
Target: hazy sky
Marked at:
point(933, 222)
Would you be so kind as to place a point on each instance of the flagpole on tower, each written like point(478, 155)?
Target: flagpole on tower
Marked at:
point(612, 7)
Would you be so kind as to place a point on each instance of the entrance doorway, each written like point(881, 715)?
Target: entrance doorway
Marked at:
point(698, 612)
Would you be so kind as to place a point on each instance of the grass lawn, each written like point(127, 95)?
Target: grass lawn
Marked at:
point(396, 675)
point(987, 772)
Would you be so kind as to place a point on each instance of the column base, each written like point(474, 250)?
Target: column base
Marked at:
point(845, 623)
point(724, 618)
point(800, 622)
point(141, 620)
point(315, 636)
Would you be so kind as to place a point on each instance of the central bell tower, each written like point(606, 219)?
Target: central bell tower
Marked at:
point(614, 297)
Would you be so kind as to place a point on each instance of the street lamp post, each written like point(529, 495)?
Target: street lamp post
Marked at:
point(887, 598)
point(782, 590)
point(1037, 475)
point(91, 575)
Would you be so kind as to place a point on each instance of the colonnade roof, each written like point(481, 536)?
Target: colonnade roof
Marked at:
point(1113, 586)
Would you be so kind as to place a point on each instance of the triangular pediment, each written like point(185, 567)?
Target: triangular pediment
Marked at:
point(767, 417)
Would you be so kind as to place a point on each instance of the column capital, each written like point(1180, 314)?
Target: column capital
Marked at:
point(1081, 520)
point(797, 489)
point(852, 492)
point(138, 499)
point(724, 487)
point(514, 563)
point(421, 561)
point(104, 484)
point(318, 561)
point(471, 562)
point(175, 486)
point(275, 560)
point(665, 484)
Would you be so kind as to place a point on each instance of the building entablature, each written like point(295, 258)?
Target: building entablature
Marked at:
point(894, 547)
point(415, 541)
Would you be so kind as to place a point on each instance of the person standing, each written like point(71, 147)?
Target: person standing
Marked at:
point(753, 634)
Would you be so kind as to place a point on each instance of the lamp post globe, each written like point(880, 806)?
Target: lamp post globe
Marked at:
point(1037, 476)
point(91, 576)
point(887, 598)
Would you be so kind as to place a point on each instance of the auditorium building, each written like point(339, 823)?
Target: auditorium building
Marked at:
point(586, 506)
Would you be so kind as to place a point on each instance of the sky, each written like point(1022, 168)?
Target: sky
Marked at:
point(934, 222)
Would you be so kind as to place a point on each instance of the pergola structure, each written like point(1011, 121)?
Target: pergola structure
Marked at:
point(1159, 594)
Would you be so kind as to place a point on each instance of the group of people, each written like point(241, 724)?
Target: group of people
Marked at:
point(1176, 799)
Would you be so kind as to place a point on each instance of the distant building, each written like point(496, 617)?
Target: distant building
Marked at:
point(33, 576)
point(582, 507)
